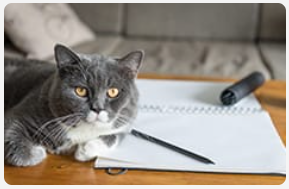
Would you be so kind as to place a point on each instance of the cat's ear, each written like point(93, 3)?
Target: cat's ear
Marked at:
point(64, 56)
point(132, 63)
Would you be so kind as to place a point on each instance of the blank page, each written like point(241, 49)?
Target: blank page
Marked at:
point(239, 139)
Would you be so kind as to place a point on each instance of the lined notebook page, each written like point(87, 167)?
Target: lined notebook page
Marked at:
point(239, 142)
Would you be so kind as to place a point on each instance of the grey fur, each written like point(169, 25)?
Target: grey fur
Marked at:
point(40, 99)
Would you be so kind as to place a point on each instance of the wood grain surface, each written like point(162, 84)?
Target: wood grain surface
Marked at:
point(65, 170)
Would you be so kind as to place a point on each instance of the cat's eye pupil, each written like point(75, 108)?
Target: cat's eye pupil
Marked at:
point(112, 92)
point(80, 91)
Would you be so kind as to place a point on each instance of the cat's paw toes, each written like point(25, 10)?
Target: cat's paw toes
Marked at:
point(91, 150)
point(37, 155)
point(80, 154)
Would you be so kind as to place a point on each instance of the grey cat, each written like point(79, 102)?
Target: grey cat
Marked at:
point(81, 105)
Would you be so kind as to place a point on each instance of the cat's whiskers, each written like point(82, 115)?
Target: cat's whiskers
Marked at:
point(119, 123)
point(122, 120)
point(54, 120)
point(124, 117)
point(59, 132)
point(52, 124)
point(39, 130)
point(55, 130)
point(47, 140)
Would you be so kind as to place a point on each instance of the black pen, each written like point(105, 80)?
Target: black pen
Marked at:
point(171, 146)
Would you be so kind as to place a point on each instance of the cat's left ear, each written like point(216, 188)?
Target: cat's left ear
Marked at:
point(64, 56)
point(132, 63)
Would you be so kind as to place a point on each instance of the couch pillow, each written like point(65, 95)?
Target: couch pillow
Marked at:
point(36, 27)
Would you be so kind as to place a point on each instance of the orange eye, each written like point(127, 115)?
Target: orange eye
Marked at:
point(80, 91)
point(112, 92)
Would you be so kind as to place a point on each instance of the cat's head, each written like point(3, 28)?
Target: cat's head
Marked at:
point(101, 89)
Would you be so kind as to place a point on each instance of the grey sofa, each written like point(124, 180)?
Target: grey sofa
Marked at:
point(217, 40)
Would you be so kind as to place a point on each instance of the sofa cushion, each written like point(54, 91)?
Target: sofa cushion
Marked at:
point(103, 45)
point(275, 56)
point(35, 28)
point(198, 58)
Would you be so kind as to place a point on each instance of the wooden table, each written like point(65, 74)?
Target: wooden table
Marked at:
point(65, 170)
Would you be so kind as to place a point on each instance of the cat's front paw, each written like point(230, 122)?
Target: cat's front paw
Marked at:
point(93, 148)
point(38, 154)
point(35, 156)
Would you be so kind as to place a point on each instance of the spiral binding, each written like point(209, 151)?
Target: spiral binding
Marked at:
point(191, 110)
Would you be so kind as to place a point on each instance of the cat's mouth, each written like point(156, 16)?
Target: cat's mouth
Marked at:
point(93, 116)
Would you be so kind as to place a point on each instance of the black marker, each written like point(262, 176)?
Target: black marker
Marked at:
point(239, 90)
point(172, 147)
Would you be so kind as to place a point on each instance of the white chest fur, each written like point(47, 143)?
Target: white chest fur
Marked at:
point(85, 131)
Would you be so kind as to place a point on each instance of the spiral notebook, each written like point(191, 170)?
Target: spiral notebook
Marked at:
point(239, 139)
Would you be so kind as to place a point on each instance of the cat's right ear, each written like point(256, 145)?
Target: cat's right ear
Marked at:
point(64, 56)
point(131, 63)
